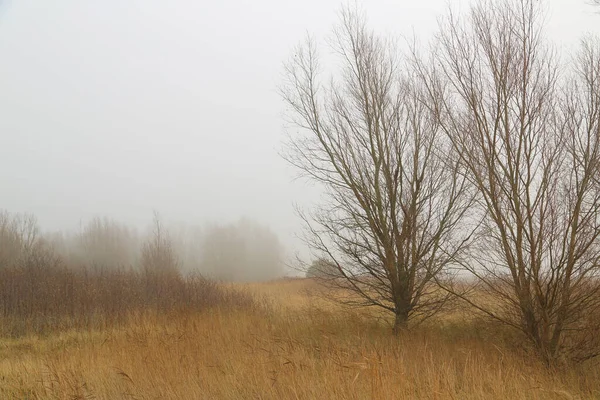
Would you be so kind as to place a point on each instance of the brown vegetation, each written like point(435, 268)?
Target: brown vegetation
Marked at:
point(42, 300)
point(300, 348)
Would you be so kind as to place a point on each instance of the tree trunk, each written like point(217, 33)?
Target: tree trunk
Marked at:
point(401, 321)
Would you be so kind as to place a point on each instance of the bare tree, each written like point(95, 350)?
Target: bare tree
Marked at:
point(21, 244)
point(28, 231)
point(105, 243)
point(10, 242)
point(158, 254)
point(394, 196)
point(19, 234)
point(243, 251)
point(529, 143)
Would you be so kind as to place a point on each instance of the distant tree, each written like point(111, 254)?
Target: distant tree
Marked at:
point(158, 254)
point(21, 244)
point(10, 242)
point(19, 236)
point(223, 253)
point(244, 251)
point(104, 243)
point(321, 268)
point(188, 243)
point(394, 194)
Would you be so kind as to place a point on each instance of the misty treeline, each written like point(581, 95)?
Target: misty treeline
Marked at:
point(469, 169)
point(240, 251)
point(107, 273)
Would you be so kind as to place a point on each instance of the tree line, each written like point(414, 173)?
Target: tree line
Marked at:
point(242, 251)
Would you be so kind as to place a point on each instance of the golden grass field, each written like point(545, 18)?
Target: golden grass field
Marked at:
point(294, 346)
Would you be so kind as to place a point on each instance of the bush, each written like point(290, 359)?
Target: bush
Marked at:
point(322, 268)
point(43, 300)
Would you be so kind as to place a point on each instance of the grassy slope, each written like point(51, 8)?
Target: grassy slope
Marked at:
point(301, 348)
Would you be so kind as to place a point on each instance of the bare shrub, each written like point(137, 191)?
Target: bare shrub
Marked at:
point(323, 269)
point(21, 244)
point(41, 293)
point(41, 300)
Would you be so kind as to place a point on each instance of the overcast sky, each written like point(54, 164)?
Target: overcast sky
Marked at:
point(119, 107)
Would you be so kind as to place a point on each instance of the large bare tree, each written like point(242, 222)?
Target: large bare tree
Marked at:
point(528, 138)
point(393, 193)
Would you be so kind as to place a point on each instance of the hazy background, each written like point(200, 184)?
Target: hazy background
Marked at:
point(116, 108)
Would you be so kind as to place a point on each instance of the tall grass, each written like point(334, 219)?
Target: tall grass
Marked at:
point(76, 334)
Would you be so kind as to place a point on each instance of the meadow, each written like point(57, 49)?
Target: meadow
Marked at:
point(274, 340)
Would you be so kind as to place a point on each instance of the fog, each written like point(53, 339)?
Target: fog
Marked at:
point(118, 108)
point(242, 251)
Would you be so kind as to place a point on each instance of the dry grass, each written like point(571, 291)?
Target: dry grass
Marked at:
point(298, 348)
